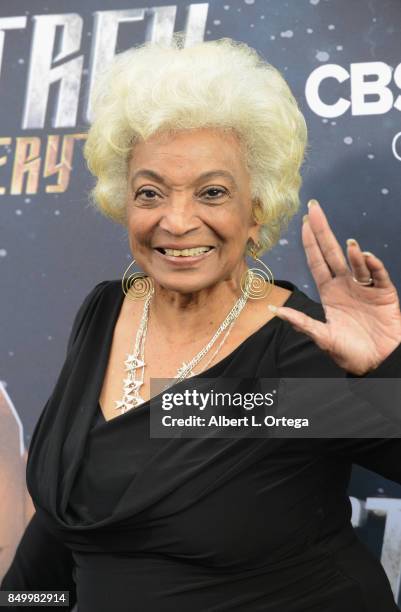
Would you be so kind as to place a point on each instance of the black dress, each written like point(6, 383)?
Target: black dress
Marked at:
point(133, 523)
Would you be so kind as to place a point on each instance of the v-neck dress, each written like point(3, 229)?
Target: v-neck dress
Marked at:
point(145, 524)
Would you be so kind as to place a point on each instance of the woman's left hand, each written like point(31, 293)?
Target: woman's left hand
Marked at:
point(363, 322)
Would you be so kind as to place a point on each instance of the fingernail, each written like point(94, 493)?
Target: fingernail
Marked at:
point(272, 307)
point(352, 242)
point(367, 253)
point(305, 218)
point(312, 203)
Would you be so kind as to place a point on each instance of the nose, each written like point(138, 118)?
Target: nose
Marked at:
point(179, 216)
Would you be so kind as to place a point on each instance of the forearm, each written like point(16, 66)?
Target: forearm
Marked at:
point(381, 387)
point(41, 562)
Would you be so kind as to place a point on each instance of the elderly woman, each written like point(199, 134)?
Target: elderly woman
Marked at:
point(197, 151)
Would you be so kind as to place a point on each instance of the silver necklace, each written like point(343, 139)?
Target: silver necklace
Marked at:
point(216, 351)
point(135, 361)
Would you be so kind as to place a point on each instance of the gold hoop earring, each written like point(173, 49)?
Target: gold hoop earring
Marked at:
point(257, 283)
point(136, 286)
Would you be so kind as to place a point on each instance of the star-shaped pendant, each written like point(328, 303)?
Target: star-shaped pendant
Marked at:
point(132, 384)
point(133, 362)
point(128, 403)
point(138, 400)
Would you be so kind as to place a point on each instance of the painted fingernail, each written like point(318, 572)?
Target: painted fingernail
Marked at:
point(352, 242)
point(312, 203)
point(272, 307)
point(305, 218)
point(367, 253)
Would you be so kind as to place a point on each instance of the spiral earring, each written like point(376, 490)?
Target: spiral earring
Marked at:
point(136, 286)
point(257, 282)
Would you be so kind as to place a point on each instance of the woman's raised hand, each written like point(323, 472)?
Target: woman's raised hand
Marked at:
point(363, 322)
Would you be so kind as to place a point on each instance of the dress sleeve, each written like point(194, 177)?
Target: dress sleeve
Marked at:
point(381, 387)
point(299, 356)
point(41, 563)
point(73, 336)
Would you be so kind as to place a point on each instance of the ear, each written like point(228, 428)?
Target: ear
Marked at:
point(254, 228)
point(257, 212)
point(253, 237)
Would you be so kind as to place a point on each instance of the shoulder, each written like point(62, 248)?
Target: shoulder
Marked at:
point(280, 294)
point(100, 290)
point(299, 300)
point(103, 289)
point(298, 354)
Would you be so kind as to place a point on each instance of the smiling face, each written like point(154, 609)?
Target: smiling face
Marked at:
point(190, 190)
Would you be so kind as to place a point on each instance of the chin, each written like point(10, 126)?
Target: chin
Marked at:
point(185, 285)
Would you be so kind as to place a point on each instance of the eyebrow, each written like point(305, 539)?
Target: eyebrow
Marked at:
point(145, 173)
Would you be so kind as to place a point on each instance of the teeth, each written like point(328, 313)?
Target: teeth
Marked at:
point(187, 252)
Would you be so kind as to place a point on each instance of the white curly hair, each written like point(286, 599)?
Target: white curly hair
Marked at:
point(222, 84)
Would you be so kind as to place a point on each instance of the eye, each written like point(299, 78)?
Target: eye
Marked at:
point(214, 189)
point(213, 192)
point(143, 191)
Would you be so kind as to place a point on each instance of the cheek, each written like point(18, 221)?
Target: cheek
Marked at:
point(236, 229)
point(139, 225)
point(231, 220)
point(239, 215)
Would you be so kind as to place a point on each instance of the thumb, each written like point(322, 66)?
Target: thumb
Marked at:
point(301, 322)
